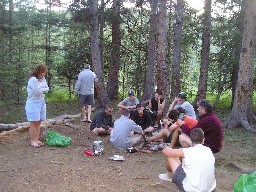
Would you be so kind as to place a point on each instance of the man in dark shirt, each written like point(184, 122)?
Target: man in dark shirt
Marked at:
point(209, 123)
point(142, 117)
point(156, 105)
point(102, 122)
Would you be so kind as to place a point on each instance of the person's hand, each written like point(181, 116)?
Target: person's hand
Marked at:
point(76, 94)
point(175, 99)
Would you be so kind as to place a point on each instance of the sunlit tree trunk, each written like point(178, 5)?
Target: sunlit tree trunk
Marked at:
point(115, 52)
point(162, 68)
point(242, 110)
point(151, 53)
point(237, 48)
point(177, 39)
point(95, 52)
point(205, 52)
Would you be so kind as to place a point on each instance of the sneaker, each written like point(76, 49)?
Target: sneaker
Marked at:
point(165, 177)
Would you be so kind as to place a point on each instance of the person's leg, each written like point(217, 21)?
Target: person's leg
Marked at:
point(82, 104)
point(175, 136)
point(89, 101)
point(163, 133)
point(37, 133)
point(32, 134)
point(89, 111)
point(83, 113)
point(171, 165)
point(185, 141)
point(101, 130)
point(159, 116)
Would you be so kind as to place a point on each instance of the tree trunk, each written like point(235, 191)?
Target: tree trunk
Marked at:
point(242, 111)
point(151, 53)
point(237, 48)
point(101, 22)
point(177, 39)
point(202, 84)
point(115, 52)
point(95, 52)
point(162, 68)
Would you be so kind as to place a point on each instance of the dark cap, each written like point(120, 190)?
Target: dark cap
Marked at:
point(182, 95)
point(130, 92)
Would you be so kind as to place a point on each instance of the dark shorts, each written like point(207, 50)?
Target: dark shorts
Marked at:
point(178, 177)
point(86, 99)
point(169, 139)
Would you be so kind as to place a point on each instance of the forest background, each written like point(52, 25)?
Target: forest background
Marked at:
point(162, 44)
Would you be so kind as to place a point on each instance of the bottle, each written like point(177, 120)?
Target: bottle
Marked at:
point(88, 152)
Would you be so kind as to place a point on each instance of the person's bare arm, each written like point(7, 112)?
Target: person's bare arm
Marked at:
point(120, 105)
point(169, 152)
point(172, 104)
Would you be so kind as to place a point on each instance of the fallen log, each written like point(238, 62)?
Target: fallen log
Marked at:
point(14, 129)
point(243, 169)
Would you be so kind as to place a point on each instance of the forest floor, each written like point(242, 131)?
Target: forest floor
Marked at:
point(54, 169)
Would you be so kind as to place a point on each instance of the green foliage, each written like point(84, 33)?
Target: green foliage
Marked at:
point(60, 95)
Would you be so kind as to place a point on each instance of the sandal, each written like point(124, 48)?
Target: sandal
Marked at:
point(35, 145)
point(89, 120)
point(40, 143)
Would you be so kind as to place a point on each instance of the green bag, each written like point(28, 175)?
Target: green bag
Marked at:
point(55, 139)
point(246, 183)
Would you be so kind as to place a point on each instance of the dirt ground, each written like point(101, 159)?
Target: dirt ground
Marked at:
point(53, 169)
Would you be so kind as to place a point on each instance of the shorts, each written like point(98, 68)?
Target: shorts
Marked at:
point(178, 177)
point(86, 99)
point(169, 139)
point(36, 111)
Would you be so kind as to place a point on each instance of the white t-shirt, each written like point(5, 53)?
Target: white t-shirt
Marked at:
point(198, 165)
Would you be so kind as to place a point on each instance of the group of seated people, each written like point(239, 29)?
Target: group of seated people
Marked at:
point(180, 129)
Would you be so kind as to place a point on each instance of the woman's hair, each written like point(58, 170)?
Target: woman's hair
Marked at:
point(197, 136)
point(173, 114)
point(206, 105)
point(39, 69)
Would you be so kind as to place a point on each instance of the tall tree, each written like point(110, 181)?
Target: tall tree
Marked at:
point(151, 52)
point(242, 110)
point(115, 52)
point(177, 39)
point(237, 48)
point(95, 52)
point(162, 68)
point(205, 52)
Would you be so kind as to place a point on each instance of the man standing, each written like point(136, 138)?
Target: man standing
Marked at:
point(181, 101)
point(102, 122)
point(196, 172)
point(85, 85)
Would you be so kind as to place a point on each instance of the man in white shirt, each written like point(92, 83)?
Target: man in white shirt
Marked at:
point(196, 171)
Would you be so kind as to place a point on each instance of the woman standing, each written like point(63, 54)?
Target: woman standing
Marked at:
point(35, 104)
